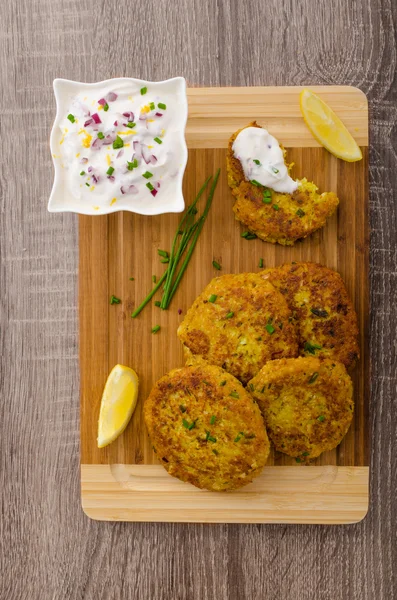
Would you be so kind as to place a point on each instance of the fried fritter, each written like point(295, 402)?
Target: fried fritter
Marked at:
point(323, 312)
point(307, 404)
point(239, 322)
point(287, 217)
point(206, 429)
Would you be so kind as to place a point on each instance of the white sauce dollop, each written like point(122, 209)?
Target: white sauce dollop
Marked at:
point(262, 160)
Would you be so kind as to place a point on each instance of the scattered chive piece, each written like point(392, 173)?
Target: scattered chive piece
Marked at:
point(152, 106)
point(311, 348)
point(267, 193)
point(252, 387)
point(106, 107)
point(149, 186)
point(261, 263)
point(269, 328)
point(132, 278)
point(257, 162)
point(87, 184)
point(230, 315)
point(157, 139)
point(276, 207)
point(216, 265)
point(234, 395)
point(238, 438)
point(319, 312)
point(162, 253)
point(157, 303)
point(313, 377)
point(118, 143)
point(110, 171)
point(267, 199)
point(114, 300)
point(215, 452)
point(82, 173)
point(165, 260)
point(100, 135)
point(147, 175)
point(132, 165)
point(213, 419)
point(321, 418)
point(222, 383)
point(156, 328)
point(130, 125)
point(298, 460)
point(212, 298)
point(182, 408)
point(143, 91)
point(255, 182)
point(161, 105)
point(305, 453)
point(275, 170)
point(301, 213)
point(209, 437)
point(71, 118)
point(154, 278)
point(248, 235)
point(188, 425)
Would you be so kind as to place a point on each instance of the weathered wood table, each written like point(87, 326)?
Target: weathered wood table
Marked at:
point(48, 548)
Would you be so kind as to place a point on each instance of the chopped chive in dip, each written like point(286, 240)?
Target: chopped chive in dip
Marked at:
point(276, 207)
point(143, 91)
point(82, 173)
point(87, 184)
point(106, 107)
point(213, 419)
point(234, 394)
point(152, 106)
point(110, 171)
point(130, 125)
point(156, 139)
point(216, 265)
point(71, 118)
point(162, 253)
point(157, 303)
point(311, 348)
point(275, 170)
point(147, 175)
point(114, 300)
point(257, 162)
point(212, 298)
point(100, 135)
point(132, 165)
point(261, 263)
point(156, 328)
point(269, 328)
point(149, 186)
point(154, 278)
point(321, 418)
point(301, 213)
point(162, 106)
point(313, 377)
point(118, 143)
point(182, 408)
point(230, 315)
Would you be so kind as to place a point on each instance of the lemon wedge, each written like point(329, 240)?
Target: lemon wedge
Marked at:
point(327, 128)
point(118, 403)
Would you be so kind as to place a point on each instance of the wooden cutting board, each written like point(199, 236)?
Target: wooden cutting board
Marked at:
point(124, 480)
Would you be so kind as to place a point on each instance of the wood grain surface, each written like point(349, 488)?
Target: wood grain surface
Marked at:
point(49, 549)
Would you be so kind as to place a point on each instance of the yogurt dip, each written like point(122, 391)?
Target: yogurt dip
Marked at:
point(119, 145)
point(262, 160)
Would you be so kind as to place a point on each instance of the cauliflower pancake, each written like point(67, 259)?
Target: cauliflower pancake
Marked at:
point(206, 429)
point(323, 312)
point(307, 404)
point(278, 218)
point(239, 322)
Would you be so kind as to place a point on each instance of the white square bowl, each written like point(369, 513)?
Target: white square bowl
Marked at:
point(62, 198)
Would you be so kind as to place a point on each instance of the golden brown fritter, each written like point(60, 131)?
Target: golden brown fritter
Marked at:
point(287, 217)
point(239, 322)
point(307, 404)
point(206, 429)
point(323, 312)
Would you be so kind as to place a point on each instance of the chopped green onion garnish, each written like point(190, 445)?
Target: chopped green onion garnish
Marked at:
point(276, 207)
point(301, 213)
point(255, 182)
point(132, 165)
point(238, 438)
point(319, 312)
point(311, 348)
point(257, 162)
point(165, 260)
point(248, 235)
point(209, 437)
point(132, 278)
point(321, 418)
point(163, 253)
point(216, 265)
point(157, 303)
point(188, 425)
point(212, 298)
point(82, 173)
point(234, 395)
point(106, 107)
point(261, 263)
point(114, 300)
point(215, 452)
point(298, 460)
point(152, 106)
point(222, 383)
point(213, 419)
point(162, 106)
point(110, 171)
point(229, 315)
point(182, 408)
point(149, 186)
point(87, 184)
point(154, 278)
point(156, 139)
point(305, 453)
point(252, 387)
point(118, 143)
point(269, 328)
point(130, 125)
point(275, 170)
point(100, 135)
point(143, 91)
point(71, 118)
point(313, 377)
point(147, 175)
point(267, 193)
point(267, 199)
point(156, 328)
